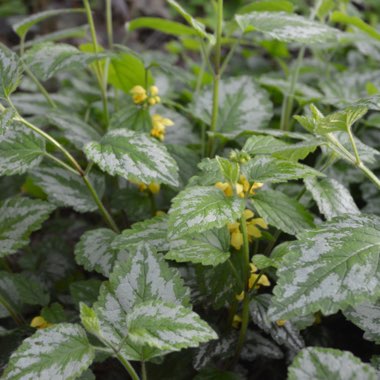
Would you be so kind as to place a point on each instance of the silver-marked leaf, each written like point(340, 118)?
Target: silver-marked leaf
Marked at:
point(330, 268)
point(316, 363)
point(282, 212)
point(10, 71)
point(198, 209)
point(73, 128)
point(270, 169)
point(134, 156)
point(20, 150)
point(257, 345)
point(269, 145)
point(6, 120)
point(19, 218)
point(287, 27)
point(209, 248)
point(67, 189)
point(332, 198)
point(58, 352)
point(22, 27)
point(144, 276)
point(367, 317)
point(152, 231)
point(243, 106)
point(47, 59)
point(167, 326)
point(94, 251)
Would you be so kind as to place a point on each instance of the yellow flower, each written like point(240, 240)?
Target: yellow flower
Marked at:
point(159, 126)
point(153, 90)
point(40, 323)
point(139, 94)
point(236, 235)
point(262, 280)
point(240, 297)
point(281, 322)
point(255, 186)
point(226, 188)
point(236, 321)
point(153, 187)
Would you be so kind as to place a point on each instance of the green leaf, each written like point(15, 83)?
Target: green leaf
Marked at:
point(144, 276)
point(20, 150)
point(287, 27)
point(270, 169)
point(10, 71)
point(152, 231)
point(167, 326)
point(230, 170)
point(282, 212)
point(162, 25)
point(367, 317)
point(126, 71)
point(268, 145)
point(19, 218)
point(67, 189)
point(95, 253)
point(58, 352)
point(132, 117)
point(73, 128)
point(243, 105)
point(198, 209)
point(325, 363)
point(6, 120)
point(54, 313)
point(196, 25)
point(134, 156)
point(85, 291)
point(21, 28)
point(267, 5)
point(217, 374)
point(210, 248)
point(332, 198)
point(334, 266)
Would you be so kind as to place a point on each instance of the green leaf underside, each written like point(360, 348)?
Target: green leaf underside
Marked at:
point(330, 268)
point(134, 156)
point(243, 106)
point(287, 27)
point(367, 317)
point(10, 71)
point(167, 327)
point(209, 248)
point(282, 212)
point(332, 198)
point(19, 218)
point(152, 231)
point(47, 59)
point(58, 352)
point(20, 150)
point(270, 169)
point(315, 363)
point(198, 209)
point(94, 251)
point(268, 145)
point(143, 277)
point(67, 189)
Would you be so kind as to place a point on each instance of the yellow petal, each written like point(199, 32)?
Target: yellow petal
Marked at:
point(39, 322)
point(237, 239)
point(264, 281)
point(142, 187)
point(253, 268)
point(281, 322)
point(233, 226)
point(236, 321)
point(240, 297)
point(253, 231)
point(154, 188)
point(248, 214)
point(153, 90)
point(260, 222)
point(252, 280)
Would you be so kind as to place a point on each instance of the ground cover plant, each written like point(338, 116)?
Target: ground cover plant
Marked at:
point(199, 200)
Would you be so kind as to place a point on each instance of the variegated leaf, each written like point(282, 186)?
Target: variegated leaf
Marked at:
point(367, 317)
point(10, 71)
point(167, 326)
point(332, 198)
point(330, 268)
point(67, 189)
point(19, 218)
point(143, 277)
point(209, 248)
point(134, 156)
point(58, 352)
point(20, 150)
point(94, 251)
point(287, 27)
point(243, 106)
point(199, 209)
point(316, 363)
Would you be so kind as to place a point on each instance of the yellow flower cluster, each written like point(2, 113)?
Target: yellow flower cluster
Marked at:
point(159, 126)
point(153, 187)
point(252, 229)
point(140, 95)
point(40, 323)
point(242, 187)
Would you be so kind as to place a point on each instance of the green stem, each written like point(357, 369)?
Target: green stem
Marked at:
point(217, 74)
point(109, 23)
point(99, 70)
point(12, 312)
point(354, 147)
point(127, 365)
point(22, 45)
point(144, 374)
point(61, 163)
